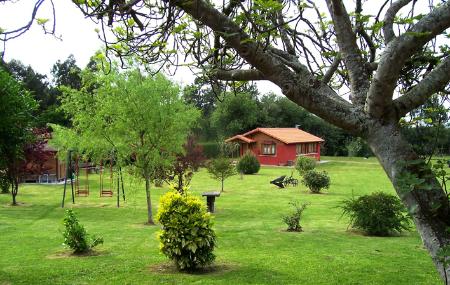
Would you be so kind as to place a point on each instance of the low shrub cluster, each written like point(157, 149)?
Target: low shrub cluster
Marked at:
point(377, 214)
point(75, 235)
point(293, 220)
point(248, 164)
point(187, 236)
point(316, 181)
point(304, 164)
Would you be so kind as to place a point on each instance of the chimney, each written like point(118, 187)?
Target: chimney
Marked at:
point(297, 126)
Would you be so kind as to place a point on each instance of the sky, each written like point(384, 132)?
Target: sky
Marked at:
point(78, 37)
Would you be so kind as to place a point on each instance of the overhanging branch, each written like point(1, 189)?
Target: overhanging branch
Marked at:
point(397, 53)
point(238, 75)
point(300, 87)
point(434, 82)
point(388, 30)
point(350, 52)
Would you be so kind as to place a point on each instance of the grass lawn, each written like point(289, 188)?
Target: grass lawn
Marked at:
point(253, 247)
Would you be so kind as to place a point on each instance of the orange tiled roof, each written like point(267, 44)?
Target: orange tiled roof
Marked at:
point(287, 135)
point(240, 137)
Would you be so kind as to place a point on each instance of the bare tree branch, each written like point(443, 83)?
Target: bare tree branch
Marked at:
point(331, 70)
point(8, 35)
point(397, 52)
point(284, 37)
point(238, 75)
point(351, 54)
point(388, 29)
point(434, 82)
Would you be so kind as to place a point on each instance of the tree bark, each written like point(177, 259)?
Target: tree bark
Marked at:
point(429, 207)
point(14, 191)
point(149, 202)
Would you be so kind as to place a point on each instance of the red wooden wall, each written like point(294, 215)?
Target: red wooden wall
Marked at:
point(284, 154)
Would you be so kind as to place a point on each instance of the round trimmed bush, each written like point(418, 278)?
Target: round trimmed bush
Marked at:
point(316, 181)
point(248, 164)
point(377, 214)
point(187, 236)
point(304, 164)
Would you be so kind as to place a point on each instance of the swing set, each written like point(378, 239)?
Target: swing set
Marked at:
point(78, 174)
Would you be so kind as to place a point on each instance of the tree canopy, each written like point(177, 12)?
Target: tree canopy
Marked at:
point(138, 119)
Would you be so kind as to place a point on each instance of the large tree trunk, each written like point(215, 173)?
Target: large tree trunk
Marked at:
point(425, 199)
point(149, 202)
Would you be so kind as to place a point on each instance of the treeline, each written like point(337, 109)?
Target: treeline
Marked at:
point(224, 114)
point(46, 90)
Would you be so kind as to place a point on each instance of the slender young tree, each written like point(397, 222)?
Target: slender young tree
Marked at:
point(16, 120)
point(220, 169)
point(142, 118)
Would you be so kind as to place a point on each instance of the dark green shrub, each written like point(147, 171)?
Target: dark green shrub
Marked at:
point(293, 220)
point(5, 184)
point(316, 181)
point(378, 214)
point(304, 164)
point(75, 235)
point(187, 236)
point(248, 164)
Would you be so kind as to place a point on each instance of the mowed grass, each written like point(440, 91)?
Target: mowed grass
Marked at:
point(253, 246)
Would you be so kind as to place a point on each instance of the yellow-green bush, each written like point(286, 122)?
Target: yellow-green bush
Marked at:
point(187, 236)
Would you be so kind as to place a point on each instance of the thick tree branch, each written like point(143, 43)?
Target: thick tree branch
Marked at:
point(301, 87)
point(434, 82)
point(238, 75)
point(350, 51)
point(397, 53)
point(331, 70)
point(388, 30)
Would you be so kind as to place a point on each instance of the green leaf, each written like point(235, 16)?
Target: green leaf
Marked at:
point(41, 21)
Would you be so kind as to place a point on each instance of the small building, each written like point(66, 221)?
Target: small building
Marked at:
point(278, 146)
point(50, 170)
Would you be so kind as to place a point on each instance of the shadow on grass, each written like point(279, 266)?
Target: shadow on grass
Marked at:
point(69, 254)
point(215, 268)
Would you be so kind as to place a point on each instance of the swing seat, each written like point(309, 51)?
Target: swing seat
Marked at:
point(106, 193)
point(82, 192)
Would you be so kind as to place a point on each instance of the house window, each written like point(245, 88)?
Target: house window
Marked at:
point(268, 148)
point(306, 148)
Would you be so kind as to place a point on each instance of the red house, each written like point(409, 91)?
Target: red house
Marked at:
point(278, 146)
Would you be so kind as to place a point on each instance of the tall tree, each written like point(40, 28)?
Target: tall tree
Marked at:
point(137, 117)
point(235, 114)
point(67, 73)
point(46, 95)
point(309, 54)
point(16, 120)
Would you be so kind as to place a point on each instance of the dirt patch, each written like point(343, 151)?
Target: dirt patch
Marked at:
point(19, 204)
point(170, 268)
point(69, 254)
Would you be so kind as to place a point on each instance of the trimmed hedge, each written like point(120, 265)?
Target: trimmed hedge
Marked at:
point(248, 164)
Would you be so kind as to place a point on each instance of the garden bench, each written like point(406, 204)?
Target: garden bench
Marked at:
point(210, 199)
